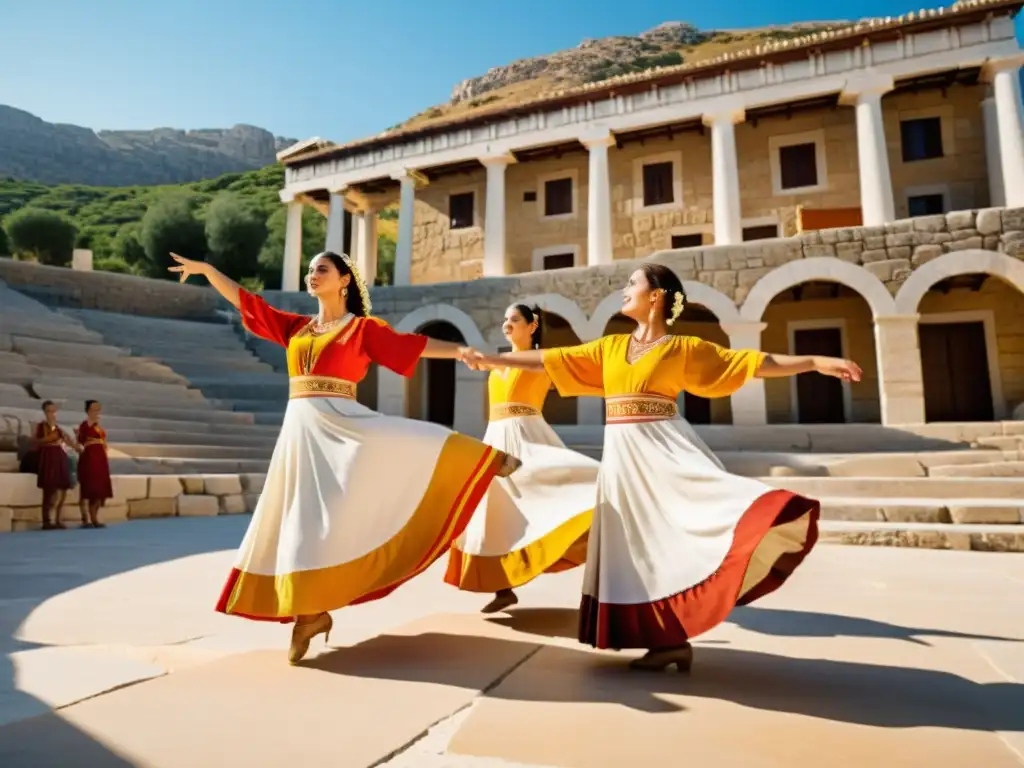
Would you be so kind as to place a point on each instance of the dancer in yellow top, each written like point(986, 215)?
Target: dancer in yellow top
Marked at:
point(535, 521)
point(676, 540)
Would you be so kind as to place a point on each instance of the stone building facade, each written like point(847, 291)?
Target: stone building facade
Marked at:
point(879, 167)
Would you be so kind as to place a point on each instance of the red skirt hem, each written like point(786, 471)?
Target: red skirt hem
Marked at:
point(674, 620)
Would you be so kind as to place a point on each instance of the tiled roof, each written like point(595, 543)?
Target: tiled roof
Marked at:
point(770, 50)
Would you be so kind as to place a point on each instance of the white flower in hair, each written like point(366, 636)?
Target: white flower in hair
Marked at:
point(677, 308)
point(364, 292)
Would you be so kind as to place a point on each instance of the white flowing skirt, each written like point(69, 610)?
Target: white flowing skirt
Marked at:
point(355, 503)
point(533, 522)
point(677, 541)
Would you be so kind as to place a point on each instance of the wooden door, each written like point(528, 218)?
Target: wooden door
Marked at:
point(954, 364)
point(819, 398)
point(440, 391)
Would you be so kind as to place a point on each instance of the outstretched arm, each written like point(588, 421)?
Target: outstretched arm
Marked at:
point(527, 360)
point(446, 350)
point(779, 366)
point(221, 283)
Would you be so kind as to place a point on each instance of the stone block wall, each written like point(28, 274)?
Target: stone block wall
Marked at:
point(135, 497)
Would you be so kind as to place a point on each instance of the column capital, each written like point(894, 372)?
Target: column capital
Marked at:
point(502, 159)
point(896, 319)
point(731, 114)
point(865, 85)
point(742, 326)
point(337, 190)
point(286, 196)
point(597, 138)
point(1010, 63)
point(410, 174)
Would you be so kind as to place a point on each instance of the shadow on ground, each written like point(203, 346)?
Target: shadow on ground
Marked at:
point(843, 691)
point(36, 566)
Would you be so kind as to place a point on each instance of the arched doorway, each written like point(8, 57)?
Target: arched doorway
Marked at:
point(558, 333)
point(971, 331)
point(431, 389)
point(701, 322)
point(820, 317)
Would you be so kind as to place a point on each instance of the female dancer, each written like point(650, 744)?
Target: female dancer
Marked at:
point(676, 541)
point(355, 503)
point(537, 521)
point(93, 468)
point(53, 474)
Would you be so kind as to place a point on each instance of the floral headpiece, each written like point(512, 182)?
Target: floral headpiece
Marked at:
point(677, 307)
point(364, 292)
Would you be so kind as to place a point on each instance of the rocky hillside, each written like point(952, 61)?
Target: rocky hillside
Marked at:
point(668, 44)
point(32, 149)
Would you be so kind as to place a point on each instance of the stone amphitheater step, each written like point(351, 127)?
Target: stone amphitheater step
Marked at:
point(949, 488)
point(155, 328)
point(181, 465)
point(983, 538)
point(134, 368)
point(187, 437)
point(963, 462)
point(40, 328)
point(28, 345)
point(259, 407)
point(923, 510)
point(226, 364)
point(237, 390)
point(187, 452)
point(269, 352)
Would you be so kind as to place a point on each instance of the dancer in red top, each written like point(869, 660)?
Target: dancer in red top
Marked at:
point(53, 475)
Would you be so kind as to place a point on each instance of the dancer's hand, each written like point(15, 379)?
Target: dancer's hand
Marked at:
point(847, 370)
point(468, 355)
point(187, 267)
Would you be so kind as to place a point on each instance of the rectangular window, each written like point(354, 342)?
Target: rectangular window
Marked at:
point(559, 261)
point(558, 197)
point(921, 139)
point(460, 210)
point(765, 232)
point(687, 241)
point(658, 184)
point(798, 166)
point(926, 205)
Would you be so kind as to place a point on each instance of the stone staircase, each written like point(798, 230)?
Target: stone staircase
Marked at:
point(167, 436)
point(945, 486)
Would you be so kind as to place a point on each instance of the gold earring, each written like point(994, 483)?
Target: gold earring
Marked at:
point(344, 292)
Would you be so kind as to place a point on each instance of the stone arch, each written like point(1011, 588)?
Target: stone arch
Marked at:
point(562, 306)
point(470, 386)
point(957, 263)
point(443, 313)
point(825, 268)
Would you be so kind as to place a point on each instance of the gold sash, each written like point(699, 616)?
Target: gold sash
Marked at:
point(511, 410)
point(630, 409)
point(320, 386)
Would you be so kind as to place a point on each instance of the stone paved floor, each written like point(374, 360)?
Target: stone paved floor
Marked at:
point(110, 652)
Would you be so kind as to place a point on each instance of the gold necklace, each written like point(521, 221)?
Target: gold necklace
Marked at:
point(638, 349)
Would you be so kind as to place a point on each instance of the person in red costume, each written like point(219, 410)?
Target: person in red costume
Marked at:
point(355, 503)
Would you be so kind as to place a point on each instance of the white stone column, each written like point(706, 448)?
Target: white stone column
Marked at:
point(335, 240)
point(727, 214)
point(900, 382)
point(366, 253)
point(748, 404)
point(403, 249)
point(599, 200)
point(290, 278)
point(470, 396)
point(1006, 92)
point(993, 161)
point(877, 204)
point(495, 256)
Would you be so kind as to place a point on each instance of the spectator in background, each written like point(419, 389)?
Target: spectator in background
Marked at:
point(93, 467)
point(53, 475)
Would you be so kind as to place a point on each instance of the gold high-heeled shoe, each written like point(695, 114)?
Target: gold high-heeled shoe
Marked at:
point(303, 632)
point(658, 660)
point(509, 465)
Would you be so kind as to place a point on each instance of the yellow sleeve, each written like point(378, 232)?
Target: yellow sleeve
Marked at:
point(577, 371)
point(709, 370)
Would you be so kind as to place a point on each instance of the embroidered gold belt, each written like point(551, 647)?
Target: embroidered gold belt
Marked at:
point(511, 410)
point(630, 409)
point(320, 386)
point(94, 441)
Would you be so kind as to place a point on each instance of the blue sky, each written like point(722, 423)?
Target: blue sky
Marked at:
point(339, 69)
